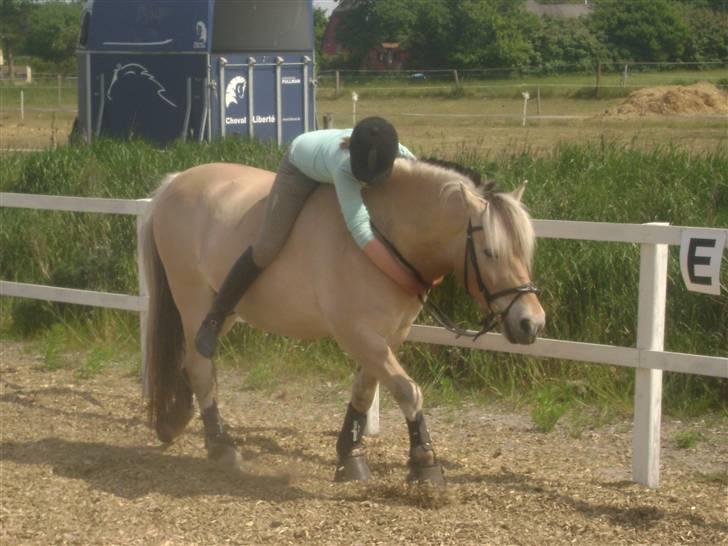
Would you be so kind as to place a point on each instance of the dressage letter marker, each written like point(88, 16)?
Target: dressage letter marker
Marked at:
point(701, 252)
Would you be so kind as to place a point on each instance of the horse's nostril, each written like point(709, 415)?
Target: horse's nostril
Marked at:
point(526, 326)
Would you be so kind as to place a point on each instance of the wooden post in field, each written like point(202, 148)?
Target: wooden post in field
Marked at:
point(456, 78)
point(526, 96)
point(538, 101)
point(625, 74)
point(648, 382)
point(328, 121)
point(60, 82)
point(354, 100)
point(338, 85)
point(599, 80)
point(22, 105)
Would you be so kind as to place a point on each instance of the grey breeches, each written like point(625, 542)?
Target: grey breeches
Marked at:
point(290, 190)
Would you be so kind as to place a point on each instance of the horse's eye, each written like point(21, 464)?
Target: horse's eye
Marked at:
point(489, 253)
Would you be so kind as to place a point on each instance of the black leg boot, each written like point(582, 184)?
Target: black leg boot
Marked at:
point(240, 277)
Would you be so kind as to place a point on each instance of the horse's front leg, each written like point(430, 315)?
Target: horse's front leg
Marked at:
point(378, 364)
point(352, 463)
point(423, 463)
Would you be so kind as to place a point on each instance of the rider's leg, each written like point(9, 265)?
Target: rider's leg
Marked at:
point(287, 197)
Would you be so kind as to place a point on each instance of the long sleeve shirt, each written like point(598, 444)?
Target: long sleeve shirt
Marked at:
point(319, 156)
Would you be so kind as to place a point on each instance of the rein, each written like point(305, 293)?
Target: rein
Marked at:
point(490, 320)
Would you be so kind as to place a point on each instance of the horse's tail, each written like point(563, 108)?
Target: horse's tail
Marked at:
point(165, 382)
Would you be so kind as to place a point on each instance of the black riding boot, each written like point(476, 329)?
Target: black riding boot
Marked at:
point(240, 277)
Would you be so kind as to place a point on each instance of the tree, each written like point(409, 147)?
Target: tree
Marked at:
point(370, 22)
point(13, 24)
point(52, 33)
point(643, 30)
point(436, 33)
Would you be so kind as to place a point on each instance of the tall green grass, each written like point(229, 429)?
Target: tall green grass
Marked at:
point(589, 288)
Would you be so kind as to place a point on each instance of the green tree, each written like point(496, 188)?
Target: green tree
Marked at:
point(708, 36)
point(567, 45)
point(13, 24)
point(52, 33)
point(642, 30)
point(370, 22)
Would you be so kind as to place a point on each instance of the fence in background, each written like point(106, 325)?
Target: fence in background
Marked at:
point(648, 357)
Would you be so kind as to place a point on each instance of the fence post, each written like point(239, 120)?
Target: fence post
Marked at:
point(456, 78)
point(599, 80)
point(58, 77)
point(22, 105)
point(538, 101)
point(144, 294)
point(372, 426)
point(338, 85)
point(526, 96)
point(648, 382)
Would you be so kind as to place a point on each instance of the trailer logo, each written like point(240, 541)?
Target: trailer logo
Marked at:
point(235, 90)
point(201, 35)
point(135, 73)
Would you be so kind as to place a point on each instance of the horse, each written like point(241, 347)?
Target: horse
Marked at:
point(436, 220)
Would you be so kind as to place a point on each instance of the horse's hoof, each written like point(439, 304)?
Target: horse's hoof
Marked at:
point(353, 468)
point(224, 456)
point(427, 474)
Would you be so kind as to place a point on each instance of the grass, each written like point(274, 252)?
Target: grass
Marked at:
point(688, 439)
point(589, 288)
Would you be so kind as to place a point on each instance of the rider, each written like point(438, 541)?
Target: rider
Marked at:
point(351, 159)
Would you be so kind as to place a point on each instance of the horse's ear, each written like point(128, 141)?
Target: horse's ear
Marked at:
point(518, 192)
point(452, 199)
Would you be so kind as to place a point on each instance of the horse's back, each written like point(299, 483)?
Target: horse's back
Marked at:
point(207, 216)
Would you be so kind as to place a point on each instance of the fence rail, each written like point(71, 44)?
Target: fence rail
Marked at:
point(648, 357)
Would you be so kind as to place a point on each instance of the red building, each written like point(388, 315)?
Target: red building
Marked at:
point(386, 56)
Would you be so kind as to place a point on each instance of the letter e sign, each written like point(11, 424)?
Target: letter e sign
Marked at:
point(701, 252)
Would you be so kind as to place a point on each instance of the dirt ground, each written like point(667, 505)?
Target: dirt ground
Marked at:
point(78, 465)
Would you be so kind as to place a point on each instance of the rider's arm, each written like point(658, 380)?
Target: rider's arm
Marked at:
point(383, 259)
point(356, 216)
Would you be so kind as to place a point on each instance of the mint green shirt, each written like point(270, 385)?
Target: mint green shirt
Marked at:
point(319, 156)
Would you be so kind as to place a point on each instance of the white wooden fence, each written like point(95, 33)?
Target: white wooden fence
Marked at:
point(648, 357)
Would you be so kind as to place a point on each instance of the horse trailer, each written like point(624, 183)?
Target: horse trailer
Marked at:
point(196, 69)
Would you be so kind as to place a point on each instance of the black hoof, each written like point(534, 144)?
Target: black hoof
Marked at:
point(427, 474)
point(224, 456)
point(353, 468)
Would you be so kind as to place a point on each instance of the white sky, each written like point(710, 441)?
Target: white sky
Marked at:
point(327, 5)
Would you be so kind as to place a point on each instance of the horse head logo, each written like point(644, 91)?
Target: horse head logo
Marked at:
point(235, 90)
point(134, 72)
point(200, 34)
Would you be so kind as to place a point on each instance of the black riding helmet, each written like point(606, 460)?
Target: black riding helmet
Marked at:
point(373, 147)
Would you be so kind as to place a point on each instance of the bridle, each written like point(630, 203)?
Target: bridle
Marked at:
point(490, 320)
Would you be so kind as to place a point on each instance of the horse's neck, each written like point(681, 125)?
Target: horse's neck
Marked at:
point(425, 223)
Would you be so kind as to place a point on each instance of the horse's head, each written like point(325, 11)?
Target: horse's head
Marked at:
point(441, 222)
point(495, 263)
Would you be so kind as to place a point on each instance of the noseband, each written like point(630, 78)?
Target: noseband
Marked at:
point(490, 320)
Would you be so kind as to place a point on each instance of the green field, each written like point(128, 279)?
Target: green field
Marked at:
point(589, 289)
point(580, 167)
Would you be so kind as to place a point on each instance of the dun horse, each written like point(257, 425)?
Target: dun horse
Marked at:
point(321, 284)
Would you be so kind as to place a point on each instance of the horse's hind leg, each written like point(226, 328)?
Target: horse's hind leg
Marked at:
point(202, 377)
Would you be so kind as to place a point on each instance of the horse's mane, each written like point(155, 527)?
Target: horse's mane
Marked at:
point(507, 225)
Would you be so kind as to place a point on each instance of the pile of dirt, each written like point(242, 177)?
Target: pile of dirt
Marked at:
point(700, 99)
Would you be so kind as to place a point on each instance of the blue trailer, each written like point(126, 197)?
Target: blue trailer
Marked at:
point(196, 69)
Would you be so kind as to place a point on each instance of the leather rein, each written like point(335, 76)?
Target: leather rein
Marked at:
point(489, 321)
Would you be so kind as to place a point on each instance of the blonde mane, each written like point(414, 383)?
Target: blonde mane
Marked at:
point(508, 231)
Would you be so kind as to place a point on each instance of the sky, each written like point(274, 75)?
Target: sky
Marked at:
point(327, 5)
